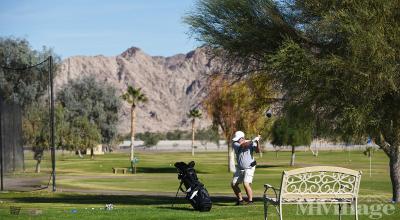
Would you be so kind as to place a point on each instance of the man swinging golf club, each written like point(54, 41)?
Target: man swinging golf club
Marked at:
point(246, 165)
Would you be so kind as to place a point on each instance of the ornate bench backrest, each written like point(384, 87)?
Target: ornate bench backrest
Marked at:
point(320, 182)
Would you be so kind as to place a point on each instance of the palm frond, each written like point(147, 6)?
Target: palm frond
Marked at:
point(195, 113)
point(134, 96)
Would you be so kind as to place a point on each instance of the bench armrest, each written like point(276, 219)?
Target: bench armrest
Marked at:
point(267, 186)
point(276, 190)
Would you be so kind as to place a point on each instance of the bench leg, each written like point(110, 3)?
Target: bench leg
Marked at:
point(356, 208)
point(265, 209)
point(280, 211)
point(340, 211)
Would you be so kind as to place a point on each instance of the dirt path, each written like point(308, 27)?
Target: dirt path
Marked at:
point(29, 184)
point(26, 184)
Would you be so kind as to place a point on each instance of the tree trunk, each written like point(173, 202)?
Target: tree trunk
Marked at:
point(315, 153)
point(348, 152)
point(37, 170)
point(370, 165)
point(231, 158)
point(193, 120)
point(91, 153)
point(293, 157)
point(80, 153)
point(395, 176)
point(392, 150)
point(276, 151)
point(133, 117)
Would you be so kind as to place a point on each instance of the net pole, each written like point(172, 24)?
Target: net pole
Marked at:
point(1, 149)
point(53, 149)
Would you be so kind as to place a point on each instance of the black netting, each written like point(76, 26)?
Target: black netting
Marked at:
point(26, 125)
point(11, 134)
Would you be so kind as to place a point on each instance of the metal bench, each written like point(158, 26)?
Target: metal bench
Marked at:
point(115, 170)
point(314, 185)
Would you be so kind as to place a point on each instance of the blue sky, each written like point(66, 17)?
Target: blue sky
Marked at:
point(93, 27)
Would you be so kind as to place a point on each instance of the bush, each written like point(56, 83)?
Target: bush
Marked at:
point(178, 135)
point(209, 134)
point(150, 139)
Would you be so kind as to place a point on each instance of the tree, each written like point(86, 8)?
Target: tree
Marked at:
point(85, 133)
point(209, 134)
point(340, 58)
point(27, 88)
point(36, 130)
point(292, 130)
point(233, 107)
point(133, 97)
point(98, 101)
point(193, 114)
point(23, 86)
point(62, 128)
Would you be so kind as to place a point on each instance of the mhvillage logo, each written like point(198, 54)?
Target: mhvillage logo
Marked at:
point(372, 209)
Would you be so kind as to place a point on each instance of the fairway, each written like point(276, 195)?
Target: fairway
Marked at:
point(85, 186)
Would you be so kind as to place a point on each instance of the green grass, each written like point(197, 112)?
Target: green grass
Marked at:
point(151, 191)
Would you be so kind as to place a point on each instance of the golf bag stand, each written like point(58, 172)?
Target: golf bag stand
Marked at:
point(195, 191)
point(177, 191)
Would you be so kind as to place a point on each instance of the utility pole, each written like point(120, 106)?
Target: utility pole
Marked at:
point(53, 149)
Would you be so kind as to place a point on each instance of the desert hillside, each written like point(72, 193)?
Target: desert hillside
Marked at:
point(173, 84)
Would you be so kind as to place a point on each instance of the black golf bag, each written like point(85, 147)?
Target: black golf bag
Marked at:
point(195, 191)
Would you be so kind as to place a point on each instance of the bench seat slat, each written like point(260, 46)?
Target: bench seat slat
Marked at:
point(317, 196)
point(310, 200)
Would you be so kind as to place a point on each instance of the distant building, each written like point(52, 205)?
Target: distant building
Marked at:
point(124, 144)
point(98, 150)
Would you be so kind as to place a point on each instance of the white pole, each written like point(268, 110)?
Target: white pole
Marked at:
point(370, 164)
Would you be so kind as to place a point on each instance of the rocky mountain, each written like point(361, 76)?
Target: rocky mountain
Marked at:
point(173, 84)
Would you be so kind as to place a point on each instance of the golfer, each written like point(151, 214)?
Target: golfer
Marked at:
point(246, 165)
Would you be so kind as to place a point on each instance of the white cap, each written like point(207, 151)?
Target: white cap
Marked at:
point(238, 135)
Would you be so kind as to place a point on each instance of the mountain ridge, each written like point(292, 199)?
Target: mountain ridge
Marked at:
point(173, 84)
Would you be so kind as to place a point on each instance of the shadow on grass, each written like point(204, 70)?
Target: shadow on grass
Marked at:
point(156, 169)
point(178, 208)
point(102, 199)
point(269, 166)
point(161, 170)
point(121, 200)
point(117, 199)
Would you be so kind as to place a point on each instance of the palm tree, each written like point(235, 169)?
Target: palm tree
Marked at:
point(133, 97)
point(193, 114)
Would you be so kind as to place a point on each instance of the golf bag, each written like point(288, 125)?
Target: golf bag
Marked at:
point(195, 191)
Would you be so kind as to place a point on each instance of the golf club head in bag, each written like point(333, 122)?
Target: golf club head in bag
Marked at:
point(195, 191)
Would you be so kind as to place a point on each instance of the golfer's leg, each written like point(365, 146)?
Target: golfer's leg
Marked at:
point(249, 191)
point(237, 179)
point(237, 191)
point(248, 179)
